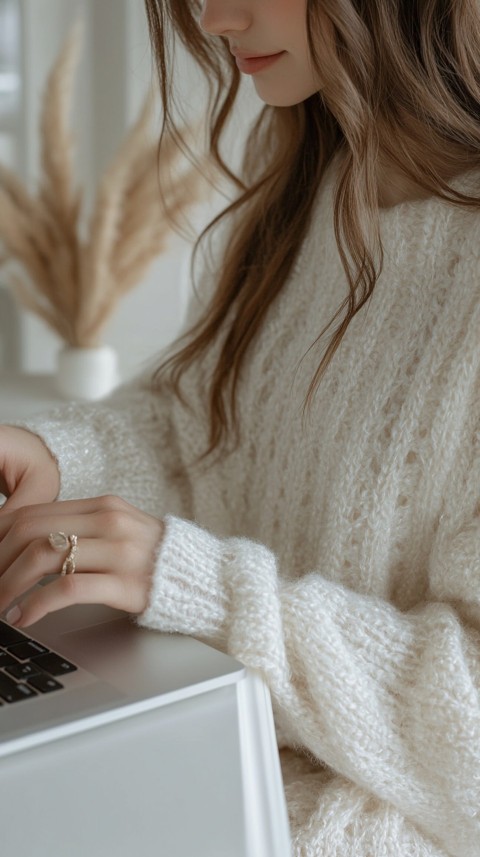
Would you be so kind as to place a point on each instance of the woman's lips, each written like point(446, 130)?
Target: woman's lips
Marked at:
point(250, 65)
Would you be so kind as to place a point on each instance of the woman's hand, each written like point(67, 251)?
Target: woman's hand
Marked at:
point(112, 562)
point(28, 472)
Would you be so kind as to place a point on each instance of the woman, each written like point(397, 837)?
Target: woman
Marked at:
point(300, 486)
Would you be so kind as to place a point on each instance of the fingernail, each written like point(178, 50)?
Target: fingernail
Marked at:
point(13, 615)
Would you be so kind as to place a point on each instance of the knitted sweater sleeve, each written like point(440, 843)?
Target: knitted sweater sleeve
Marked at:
point(390, 700)
point(124, 445)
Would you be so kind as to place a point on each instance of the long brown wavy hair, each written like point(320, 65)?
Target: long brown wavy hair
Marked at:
point(400, 81)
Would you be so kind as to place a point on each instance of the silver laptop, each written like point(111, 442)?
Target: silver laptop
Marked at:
point(115, 739)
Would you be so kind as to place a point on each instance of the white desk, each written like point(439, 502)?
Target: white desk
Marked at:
point(21, 395)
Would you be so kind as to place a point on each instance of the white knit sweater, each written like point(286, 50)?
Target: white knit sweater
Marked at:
point(340, 555)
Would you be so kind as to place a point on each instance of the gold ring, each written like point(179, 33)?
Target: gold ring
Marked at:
point(61, 542)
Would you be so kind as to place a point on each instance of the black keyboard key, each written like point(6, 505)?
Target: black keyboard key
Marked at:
point(22, 670)
point(10, 691)
point(9, 635)
point(54, 664)
point(44, 683)
point(27, 650)
point(6, 659)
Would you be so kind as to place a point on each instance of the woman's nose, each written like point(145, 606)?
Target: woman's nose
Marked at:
point(221, 17)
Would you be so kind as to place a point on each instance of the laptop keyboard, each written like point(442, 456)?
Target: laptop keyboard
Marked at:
point(27, 668)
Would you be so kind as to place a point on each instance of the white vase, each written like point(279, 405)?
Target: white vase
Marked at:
point(87, 373)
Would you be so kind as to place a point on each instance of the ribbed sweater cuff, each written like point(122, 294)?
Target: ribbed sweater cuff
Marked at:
point(188, 594)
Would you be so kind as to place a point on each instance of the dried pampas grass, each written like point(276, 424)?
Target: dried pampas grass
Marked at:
point(74, 284)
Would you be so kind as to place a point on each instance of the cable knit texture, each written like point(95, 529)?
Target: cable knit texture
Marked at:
point(338, 554)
